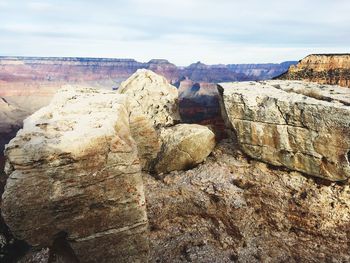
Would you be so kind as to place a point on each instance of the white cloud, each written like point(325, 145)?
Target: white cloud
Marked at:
point(183, 31)
point(39, 6)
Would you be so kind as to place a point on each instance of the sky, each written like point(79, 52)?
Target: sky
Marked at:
point(182, 31)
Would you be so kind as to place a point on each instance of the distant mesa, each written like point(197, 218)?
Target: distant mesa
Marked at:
point(321, 68)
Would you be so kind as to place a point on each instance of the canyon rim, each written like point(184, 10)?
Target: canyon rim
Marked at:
point(121, 174)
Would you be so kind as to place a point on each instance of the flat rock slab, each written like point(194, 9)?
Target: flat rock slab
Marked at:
point(74, 171)
point(299, 125)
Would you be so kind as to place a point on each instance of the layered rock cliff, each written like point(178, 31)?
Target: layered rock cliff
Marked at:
point(322, 68)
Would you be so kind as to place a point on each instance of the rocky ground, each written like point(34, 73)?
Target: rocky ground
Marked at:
point(232, 209)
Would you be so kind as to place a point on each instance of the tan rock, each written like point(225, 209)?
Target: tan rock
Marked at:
point(184, 146)
point(74, 169)
point(299, 125)
point(146, 137)
point(322, 68)
point(157, 98)
point(230, 209)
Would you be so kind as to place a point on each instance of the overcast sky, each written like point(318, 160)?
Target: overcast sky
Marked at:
point(182, 31)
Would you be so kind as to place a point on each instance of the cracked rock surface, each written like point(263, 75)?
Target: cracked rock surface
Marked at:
point(298, 125)
point(74, 173)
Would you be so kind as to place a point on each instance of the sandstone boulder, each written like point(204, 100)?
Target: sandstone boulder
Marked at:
point(156, 97)
point(298, 125)
point(184, 146)
point(74, 172)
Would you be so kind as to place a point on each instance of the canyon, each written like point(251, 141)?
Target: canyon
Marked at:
point(29, 83)
point(148, 165)
point(119, 176)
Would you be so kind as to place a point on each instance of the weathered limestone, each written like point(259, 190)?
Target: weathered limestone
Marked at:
point(74, 171)
point(299, 125)
point(146, 137)
point(157, 98)
point(184, 146)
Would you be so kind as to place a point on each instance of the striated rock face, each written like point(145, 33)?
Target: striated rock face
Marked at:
point(184, 147)
point(74, 177)
point(156, 97)
point(298, 125)
point(322, 68)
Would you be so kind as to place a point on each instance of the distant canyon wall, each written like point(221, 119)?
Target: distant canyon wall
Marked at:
point(28, 83)
point(331, 69)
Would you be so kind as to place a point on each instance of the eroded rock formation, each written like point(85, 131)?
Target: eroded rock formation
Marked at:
point(183, 145)
point(322, 68)
point(74, 173)
point(83, 155)
point(298, 125)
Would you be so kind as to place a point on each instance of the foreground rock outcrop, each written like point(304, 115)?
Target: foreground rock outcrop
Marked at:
point(298, 125)
point(76, 191)
point(321, 68)
point(230, 209)
point(74, 175)
point(82, 155)
point(183, 145)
